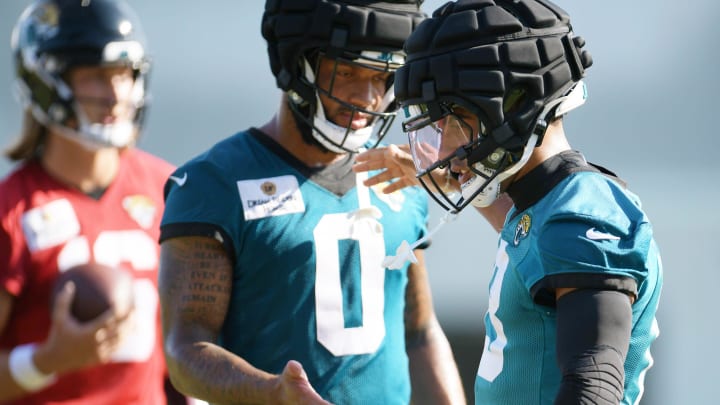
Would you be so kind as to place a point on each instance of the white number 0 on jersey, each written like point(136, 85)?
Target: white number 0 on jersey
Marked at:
point(331, 330)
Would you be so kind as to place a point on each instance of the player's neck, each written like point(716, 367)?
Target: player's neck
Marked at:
point(78, 167)
point(553, 143)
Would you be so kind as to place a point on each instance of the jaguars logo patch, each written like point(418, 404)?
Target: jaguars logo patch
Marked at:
point(47, 17)
point(522, 229)
point(141, 208)
point(268, 188)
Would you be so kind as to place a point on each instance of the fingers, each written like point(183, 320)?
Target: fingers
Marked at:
point(398, 185)
point(294, 370)
point(77, 344)
point(111, 321)
point(108, 332)
point(399, 151)
point(386, 177)
point(383, 158)
point(106, 319)
point(379, 178)
point(369, 154)
point(404, 147)
point(371, 163)
point(107, 343)
point(63, 301)
point(395, 162)
point(297, 387)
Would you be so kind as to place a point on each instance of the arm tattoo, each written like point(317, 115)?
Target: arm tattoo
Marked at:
point(198, 276)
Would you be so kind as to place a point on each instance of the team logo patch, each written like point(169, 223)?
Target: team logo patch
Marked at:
point(140, 208)
point(269, 197)
point(394, 200)
point(522, 229)
point(47, 17)
point(269, 188)
point(50, 225)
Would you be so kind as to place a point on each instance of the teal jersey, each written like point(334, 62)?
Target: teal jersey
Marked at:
point(586, 231)
point(308, 284)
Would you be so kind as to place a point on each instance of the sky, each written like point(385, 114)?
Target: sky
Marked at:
point(650, 117)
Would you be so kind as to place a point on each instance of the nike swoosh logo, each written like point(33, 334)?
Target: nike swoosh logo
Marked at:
point(594, 234)
point(179, 180)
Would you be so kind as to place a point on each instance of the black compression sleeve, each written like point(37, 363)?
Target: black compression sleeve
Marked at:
point(593, 335)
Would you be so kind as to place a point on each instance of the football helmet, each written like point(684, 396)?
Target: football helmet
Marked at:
point(481, 82)
point(365, 33)
point(52, 36)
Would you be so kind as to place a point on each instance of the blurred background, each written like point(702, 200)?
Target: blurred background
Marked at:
point(649, 117)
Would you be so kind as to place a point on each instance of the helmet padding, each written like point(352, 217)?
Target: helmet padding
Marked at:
point(365, 33)
point(474, 53)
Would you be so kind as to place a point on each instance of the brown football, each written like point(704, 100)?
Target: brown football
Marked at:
point(97, 287)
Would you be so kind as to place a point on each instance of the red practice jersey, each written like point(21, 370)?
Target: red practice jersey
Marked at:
point(47, 228)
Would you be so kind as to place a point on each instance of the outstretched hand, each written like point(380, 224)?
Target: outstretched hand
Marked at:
point(397, 163)
point(294, 387)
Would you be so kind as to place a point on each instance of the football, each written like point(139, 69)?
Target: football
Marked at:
point(97, 287)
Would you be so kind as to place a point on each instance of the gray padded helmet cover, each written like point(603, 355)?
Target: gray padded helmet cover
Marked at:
point(474, 52)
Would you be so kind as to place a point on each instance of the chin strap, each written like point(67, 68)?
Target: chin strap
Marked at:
point(575, 98)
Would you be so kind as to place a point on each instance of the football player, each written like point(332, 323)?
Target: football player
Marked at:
point(273, 281)
point(577, 277)
point(81, 192)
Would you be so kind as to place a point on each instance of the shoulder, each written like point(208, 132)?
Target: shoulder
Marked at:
point(18, 185)
point(590, 194)
point(216, 170)
point(595, 219)
point(589, 201)
point(225, 154)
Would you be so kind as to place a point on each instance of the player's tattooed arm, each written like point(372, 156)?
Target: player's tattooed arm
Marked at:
point(194, 286)
point(433, 372)
point(195, 283)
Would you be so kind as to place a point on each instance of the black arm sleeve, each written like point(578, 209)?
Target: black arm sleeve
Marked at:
point(593, 335)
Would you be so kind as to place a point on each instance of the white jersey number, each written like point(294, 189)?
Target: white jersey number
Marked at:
point(491, 362)
point(331, 330)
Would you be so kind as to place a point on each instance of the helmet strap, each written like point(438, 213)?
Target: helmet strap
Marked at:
point(300, 114)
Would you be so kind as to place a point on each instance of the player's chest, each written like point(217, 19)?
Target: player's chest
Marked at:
point(69, 229)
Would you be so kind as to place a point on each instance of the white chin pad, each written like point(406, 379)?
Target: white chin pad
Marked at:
point(97, 136)
point(485, 197)
point(115, 135)
point(573, 100)
point(490, 193)
point(332, 136)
